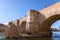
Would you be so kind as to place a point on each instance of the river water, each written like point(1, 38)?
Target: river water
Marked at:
point(55, 36)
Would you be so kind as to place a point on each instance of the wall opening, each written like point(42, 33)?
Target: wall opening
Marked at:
point(55, 27)
point(23, 27)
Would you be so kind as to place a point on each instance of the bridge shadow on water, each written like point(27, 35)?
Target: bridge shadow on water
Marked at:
point(32, 38)
point(54, 37)
point(36, 38)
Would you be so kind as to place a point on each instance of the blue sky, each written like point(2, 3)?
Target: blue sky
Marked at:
point(15, 9)
point(56, 24)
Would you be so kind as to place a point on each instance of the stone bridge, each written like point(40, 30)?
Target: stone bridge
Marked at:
point(38, 22)
point(41, 21)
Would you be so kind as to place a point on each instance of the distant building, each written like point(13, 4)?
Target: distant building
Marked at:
point(54, 29)
point(58, 28)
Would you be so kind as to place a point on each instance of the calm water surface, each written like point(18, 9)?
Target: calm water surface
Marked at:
point(56, 36)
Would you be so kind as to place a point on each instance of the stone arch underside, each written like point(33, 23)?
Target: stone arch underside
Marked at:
point(45, 26)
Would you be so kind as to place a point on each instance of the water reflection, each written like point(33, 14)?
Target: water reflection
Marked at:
point(55, 36)
point(2, 37)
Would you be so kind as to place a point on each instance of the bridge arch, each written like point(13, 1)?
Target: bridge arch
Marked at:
point(45, 26)
point(23, 27)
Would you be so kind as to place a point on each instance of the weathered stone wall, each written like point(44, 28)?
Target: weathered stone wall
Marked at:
point(33, 21)
point(11, 30)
